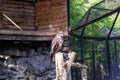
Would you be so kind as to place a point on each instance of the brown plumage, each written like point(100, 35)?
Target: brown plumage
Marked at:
point(56, 45)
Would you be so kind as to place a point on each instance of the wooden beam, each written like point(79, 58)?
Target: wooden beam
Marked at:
point(29, 33)
point(25, 38)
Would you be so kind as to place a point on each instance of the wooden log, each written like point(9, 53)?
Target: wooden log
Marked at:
point(47, 18)
point(18, 3)
point(18, 6)
point(52, 25)
point(12, 28)
point(53, 19)
point(63, 68)
point(69, 62)
point(30, 33)
point(21, 13)
point(17, 9)
point(59, 62)
point(20, 24)
point(19, 20)
point(25, 38)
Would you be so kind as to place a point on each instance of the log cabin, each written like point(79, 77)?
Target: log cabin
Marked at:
point(38, 19)
point(33, 20)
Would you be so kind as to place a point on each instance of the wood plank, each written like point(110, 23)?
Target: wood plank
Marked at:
point(17, 10)
point(18, 3)
point(20, 20)
point(51, 21)
point(47, 18)
point(25, 38)
point(20, 13)
point(20, 24)
point(18, 6)
point(51, 14)
point(52, 25)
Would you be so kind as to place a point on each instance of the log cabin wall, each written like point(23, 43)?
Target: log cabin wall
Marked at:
point(39, 20)
point(51, 15)
point(22, 13)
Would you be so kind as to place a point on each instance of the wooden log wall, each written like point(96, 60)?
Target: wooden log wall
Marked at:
point(44, 16)
point(22, 13)
point(51, 15)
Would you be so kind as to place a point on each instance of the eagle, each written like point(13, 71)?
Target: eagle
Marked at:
point(56, 44)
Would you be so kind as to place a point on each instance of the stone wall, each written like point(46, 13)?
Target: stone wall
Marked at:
point(26, 61)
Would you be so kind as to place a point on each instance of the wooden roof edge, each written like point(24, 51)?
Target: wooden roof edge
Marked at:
point(29, 33)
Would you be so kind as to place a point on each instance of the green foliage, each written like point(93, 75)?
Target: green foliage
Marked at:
point(77, 9)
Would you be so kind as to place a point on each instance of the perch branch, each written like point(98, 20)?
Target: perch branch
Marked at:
point(77, 64)
point(12, 22)
point(69, 62)
point(63, 68)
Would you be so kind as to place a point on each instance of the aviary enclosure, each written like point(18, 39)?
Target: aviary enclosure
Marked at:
point(28, 26)
point(98, 46)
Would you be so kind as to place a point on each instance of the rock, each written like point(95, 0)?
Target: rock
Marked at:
point(39, 49)
point(30, 52)
point(32, 77)
point(3, 77)
point(14, 52)
point(38, 64)
point(18, 70)
point(22, 64)
point(49, 76)
point(52, 74)
point(27, 63)
point(24, 53)
point(8, 60)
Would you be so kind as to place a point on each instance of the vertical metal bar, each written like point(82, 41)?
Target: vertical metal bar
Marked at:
point(76, 72)
point(68, 13)
point(93, 58)
point(72, 75)
point(116, 57)
point(68, 21)
point(115, 46)
point(0, 11)
point(108, 58)
point(81, 50)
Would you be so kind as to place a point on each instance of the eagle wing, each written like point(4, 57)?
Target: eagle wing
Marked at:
point(56, 46)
